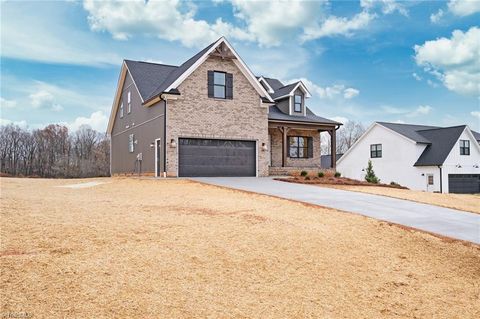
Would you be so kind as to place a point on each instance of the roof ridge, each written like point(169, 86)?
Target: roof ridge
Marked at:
point(442, 128)
point(154, 63)
point(407, 124)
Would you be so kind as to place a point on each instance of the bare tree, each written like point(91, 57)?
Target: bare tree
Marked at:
point(52, 152)
point(347, 135)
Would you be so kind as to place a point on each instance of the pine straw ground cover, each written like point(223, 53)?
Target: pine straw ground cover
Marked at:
point(177, 249)
point(465, 202)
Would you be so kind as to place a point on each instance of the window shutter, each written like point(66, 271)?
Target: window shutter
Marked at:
point(229, 86)
point(310, 147)
point(210, 83)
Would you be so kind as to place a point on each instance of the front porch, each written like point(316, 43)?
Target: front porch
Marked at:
point(297, 146)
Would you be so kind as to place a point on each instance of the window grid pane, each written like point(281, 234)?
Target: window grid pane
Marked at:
point(218, 78)
point(219, 91)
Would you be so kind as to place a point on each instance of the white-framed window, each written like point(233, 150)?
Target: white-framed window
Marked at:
point(219, 85)
point(131, 143)
point(297, 103)
point(430, 179)
point(121, 110)
point(464, 147)
point(129, 102)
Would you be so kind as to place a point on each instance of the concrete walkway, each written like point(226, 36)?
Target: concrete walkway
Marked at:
point(444, 221)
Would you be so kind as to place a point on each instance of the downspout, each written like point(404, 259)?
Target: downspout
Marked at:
point(165, 140)
point(440, 167)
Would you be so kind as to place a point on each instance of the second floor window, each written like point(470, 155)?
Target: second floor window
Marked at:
point(464, 147)
point(376, 150)
point(121, 110)
point(129, 102)
point(297, 103)
point(219, 85)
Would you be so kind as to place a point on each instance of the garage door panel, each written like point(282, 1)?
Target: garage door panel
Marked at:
point(211, 157)
point(464, 183)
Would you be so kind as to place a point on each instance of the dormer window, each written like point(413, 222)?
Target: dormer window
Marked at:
point(297, 107)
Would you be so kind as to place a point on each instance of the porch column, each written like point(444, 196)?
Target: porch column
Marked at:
point(333, 151)
point(284, 131)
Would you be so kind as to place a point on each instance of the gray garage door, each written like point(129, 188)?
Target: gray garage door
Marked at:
point(208, 157)
point(464, 183)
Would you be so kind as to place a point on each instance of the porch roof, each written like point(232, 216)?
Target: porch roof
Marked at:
point(275, 115)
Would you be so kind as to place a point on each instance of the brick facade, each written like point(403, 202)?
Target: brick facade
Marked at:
point(194, 114)
point(276, 148)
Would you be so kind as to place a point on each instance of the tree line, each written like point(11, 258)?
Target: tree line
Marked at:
point(53, 152)
point(347, 135)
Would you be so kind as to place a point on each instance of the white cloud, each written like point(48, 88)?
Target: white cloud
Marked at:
point(168, 20)
point(22, 124)
point(475, 114)
point(420, 110)
point(7, 103)
point(387, 6)
point(43, 99)
point(333, 92)
point(269, 23)
point(335, 26)
point(350, 93)
point(416, 76)
point(436, 17)
point(454, 61)
point(97, 121)
point(464, 7)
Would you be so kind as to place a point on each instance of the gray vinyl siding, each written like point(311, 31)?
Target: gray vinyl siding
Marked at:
point(284, 105)
point(146, 123)
point(298, 92)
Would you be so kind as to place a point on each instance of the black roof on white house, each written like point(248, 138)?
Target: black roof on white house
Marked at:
point(439, 140)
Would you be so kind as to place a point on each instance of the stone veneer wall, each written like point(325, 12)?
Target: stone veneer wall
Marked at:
point(276, 147)
point(194, 114)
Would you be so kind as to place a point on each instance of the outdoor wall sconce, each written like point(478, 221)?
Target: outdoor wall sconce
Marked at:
point(423, 174)
point(152, 145)
point(264, 147)
point(173, 144)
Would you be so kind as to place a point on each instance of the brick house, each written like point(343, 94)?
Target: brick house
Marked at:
point(211, 116)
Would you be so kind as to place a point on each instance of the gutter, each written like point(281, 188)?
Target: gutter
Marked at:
point(440, 167)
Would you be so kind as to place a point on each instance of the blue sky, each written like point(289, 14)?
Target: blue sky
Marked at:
point(398, 61)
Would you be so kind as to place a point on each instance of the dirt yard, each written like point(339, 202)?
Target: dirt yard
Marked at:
point(465, 202)
point(135, 248)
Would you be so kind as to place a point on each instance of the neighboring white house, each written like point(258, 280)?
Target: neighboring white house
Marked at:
point(428, 158)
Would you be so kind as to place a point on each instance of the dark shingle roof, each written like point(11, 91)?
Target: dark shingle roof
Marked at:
point(178, 72)
point(442, 140)
point(284, 90)
point(409, 130)
point(274, 113)
point(274, 83)
point(147, 75)
point(476, 135)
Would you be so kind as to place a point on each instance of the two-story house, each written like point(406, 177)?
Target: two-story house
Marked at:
point(211, 116)
point(420, 157)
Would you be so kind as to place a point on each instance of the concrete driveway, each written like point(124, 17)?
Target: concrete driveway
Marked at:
point(444, 221)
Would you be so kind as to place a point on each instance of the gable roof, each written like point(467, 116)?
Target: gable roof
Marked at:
point(409, 130)
point(173, 76)
point(274, 83)
point(442, 140)
point(274, 113)
point(147, 75)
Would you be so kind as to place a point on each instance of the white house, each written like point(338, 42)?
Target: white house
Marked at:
point(428, 158)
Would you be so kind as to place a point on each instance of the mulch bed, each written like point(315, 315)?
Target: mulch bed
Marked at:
point(332, 180)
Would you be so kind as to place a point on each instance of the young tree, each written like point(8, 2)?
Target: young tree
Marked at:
point(370, 176)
